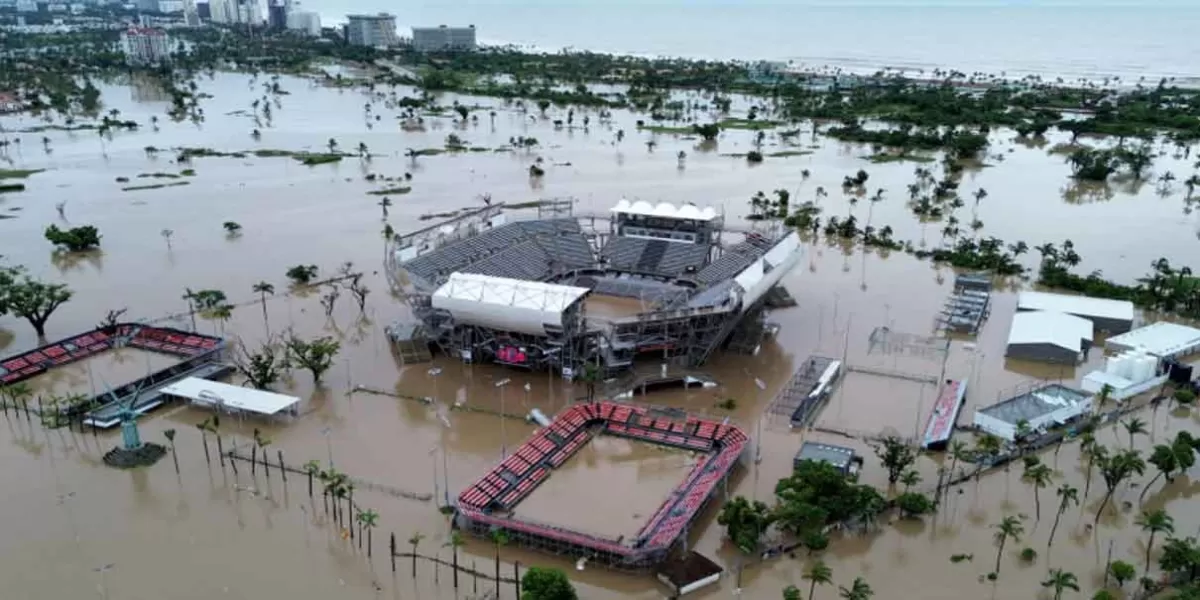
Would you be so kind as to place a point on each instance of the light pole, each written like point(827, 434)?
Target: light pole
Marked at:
point(433, 459)
point(103, 579)
point(503, 416)
point(434, 372)
point(761, 387)
point(328, 444)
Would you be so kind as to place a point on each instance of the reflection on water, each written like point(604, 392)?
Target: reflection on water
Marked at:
point(216, 534)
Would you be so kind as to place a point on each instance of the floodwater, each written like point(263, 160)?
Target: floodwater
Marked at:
point(100, 372)
point(613, 307)
point(567, 498)
point(208, 532)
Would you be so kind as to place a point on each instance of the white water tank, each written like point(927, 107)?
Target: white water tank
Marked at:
point(1126, 366)
point(1112, 365)
point(1146, 367)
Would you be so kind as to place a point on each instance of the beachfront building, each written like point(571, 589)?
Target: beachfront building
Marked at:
point(1110, 316)
point(9, 103)
point(1052, 337)
point(441, 38)
point(145, 45)
point(371, 30)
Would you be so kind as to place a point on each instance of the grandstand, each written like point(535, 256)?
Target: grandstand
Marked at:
point(488, 503)
point(487, 289)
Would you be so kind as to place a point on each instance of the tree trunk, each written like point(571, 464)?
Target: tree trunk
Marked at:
point(999, 554)
point(414, 564)
point(282, 468)
point(39, 326)
point(204, 440)
point(266, 464)
point(1149, 549)
point(220, 450)
point(1053, 528)
point(392, 550)
point(325, 500)
point(497, 569)
point(1037, 505)
point(455, 548)
point(1087, 481)
point(174, 457)
point(310, 478)
point(253, 459)
point(1103, 504)
point(368, 542)
point(1147, 487)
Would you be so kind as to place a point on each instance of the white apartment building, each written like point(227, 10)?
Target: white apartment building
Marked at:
point(145, 46)
point(433, 39)
point(371, 30)
point(308, 23)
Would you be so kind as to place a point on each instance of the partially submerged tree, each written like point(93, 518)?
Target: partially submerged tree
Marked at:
point(302, 274)
point(542, 583)
point(745, 522)
point(261, 368)
point(896, 457)
point(360, 292)
point(30, 299)
point(315, 355)
point(76, 239)
point(1009, 528)
point(1116, 469)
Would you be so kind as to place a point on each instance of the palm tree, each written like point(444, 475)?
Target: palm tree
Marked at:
point(415, 540)
point(1008, 528)
point(264, 289)
point(263, 441)
point(499, 538)
point(1039, 476)
point(791, 592)
point(1095, 454)
point(170, 435)
point(1164, 459)
point(312, 468)
point(958, 451)
point(1115, 470)
point(1154, 522)
point(332, 144)
point(1067, 495)
point(859, 590)
point(367, 520)
point(455, 542)
point(1061, 581)
point(204, 439)
point(818, 573)
point(1133, 427)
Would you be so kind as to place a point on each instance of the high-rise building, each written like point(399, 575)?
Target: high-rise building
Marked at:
point(204, 11)
point(145, 46)
point(191, 16)
point(305, 22)
point(277, 12)
point(371, 30)
point(433, 39)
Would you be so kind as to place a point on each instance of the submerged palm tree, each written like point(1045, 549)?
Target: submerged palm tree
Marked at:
point(1008, 528)
point(818, 573)
point(1061, 581)
point(415, 540)
point(859, 590)
point(1154, 522)
point(367, 520)
point(1038, 476)
point(1134, 426)
point(264, 289)
point(1067, 495)
point(455, 542)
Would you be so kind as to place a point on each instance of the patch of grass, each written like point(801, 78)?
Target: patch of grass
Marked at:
point(188, 172)
point(787, 153)
point(11, 187)
point(158, 176)
point(668, 129)
point(891, 157)
point(392, 191)
point(479, 149)
point(753, 125)
point(18, 173)
point(428, 152)
point(310, 160)
point(154, 186)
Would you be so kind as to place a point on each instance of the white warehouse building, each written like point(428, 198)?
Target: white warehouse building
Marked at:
point(1051, 337)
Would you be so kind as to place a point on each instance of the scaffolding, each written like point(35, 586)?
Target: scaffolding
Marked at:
point(691, 307)
point(807, 392)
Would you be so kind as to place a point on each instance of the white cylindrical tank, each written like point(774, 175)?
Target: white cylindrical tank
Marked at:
point(1125, 366)
point(1148, 365)
point(1112, 365)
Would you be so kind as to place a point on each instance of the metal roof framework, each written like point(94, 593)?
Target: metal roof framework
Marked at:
point(1046, 327)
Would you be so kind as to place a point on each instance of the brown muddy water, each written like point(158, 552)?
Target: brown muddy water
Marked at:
point(73, 528)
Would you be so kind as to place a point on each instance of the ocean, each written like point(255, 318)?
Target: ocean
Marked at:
point(1092, 40)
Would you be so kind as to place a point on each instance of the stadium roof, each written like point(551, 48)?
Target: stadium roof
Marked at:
point(665, 210)
point(505, 304)
point(1083, 306)
point(1045, 327)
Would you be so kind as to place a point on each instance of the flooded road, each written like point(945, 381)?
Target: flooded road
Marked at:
point(207, 532)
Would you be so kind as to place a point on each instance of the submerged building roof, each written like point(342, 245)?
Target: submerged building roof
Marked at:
point(1161, 339)
point(1035, 403)
point(1084, 306)
point(1045, 327)
point(505, 304)
point(838, 456)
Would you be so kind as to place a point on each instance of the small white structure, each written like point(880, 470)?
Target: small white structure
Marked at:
point(1049, 337)
point(664, 210)
point(506, 304)
point(145, 45)
point(1040, 408)
point(1127, 374)
point(1113, 316)
point(1162, 339)
point(232, 397)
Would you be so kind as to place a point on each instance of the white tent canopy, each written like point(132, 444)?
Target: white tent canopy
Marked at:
point(506, 304)
point(234, 397)
point(665, 210)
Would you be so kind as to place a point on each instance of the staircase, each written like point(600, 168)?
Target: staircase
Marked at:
point(651, 256)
